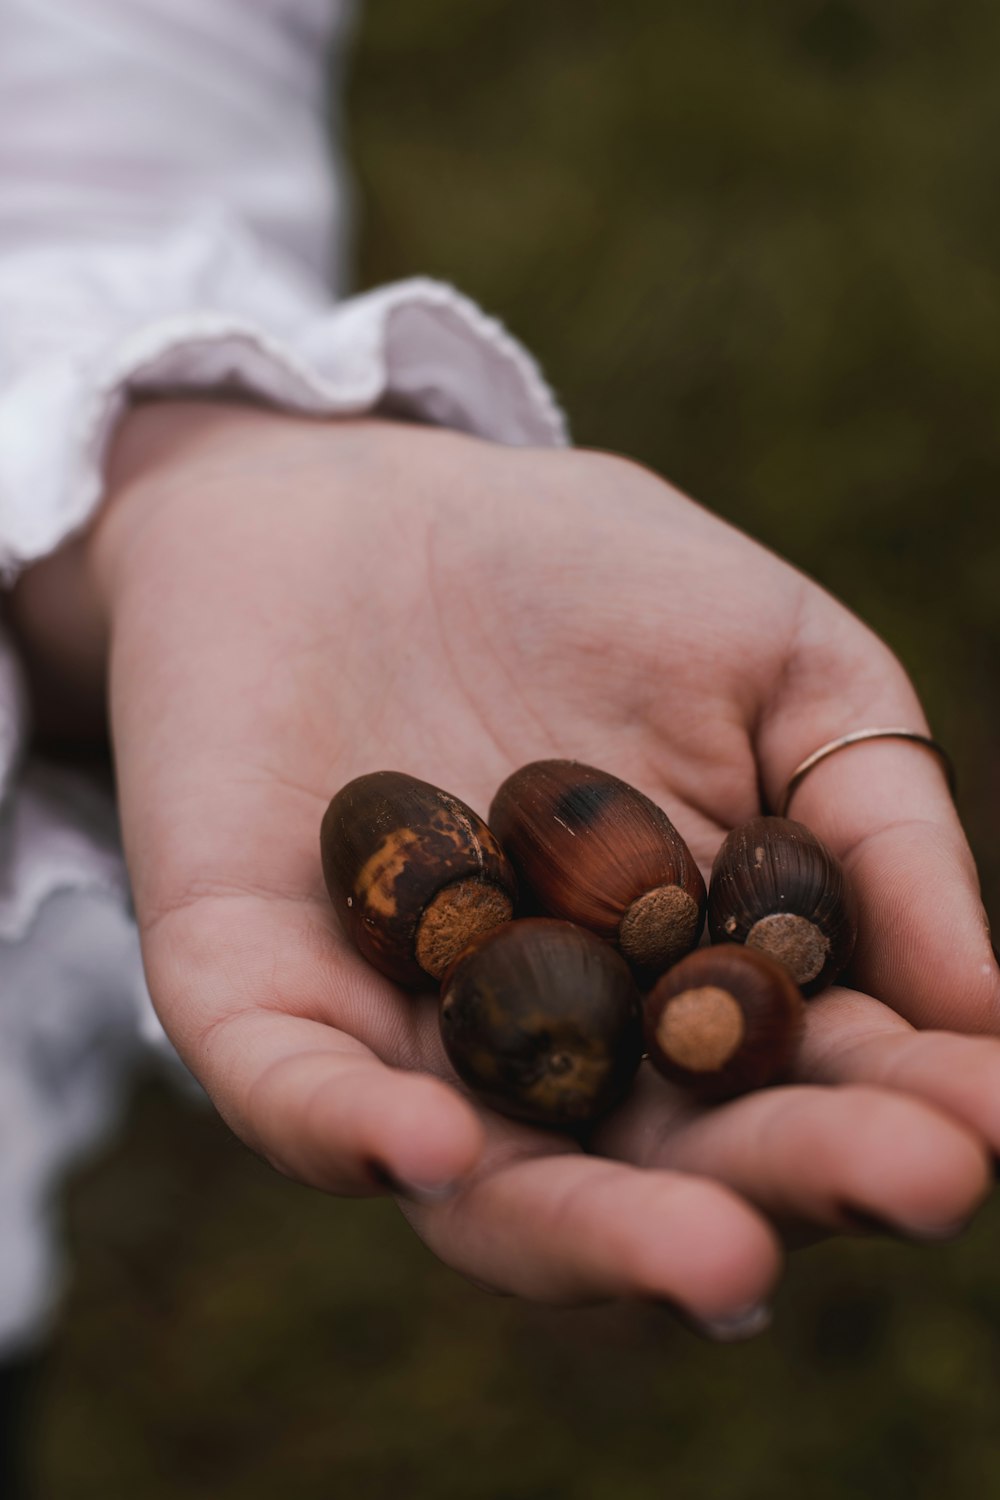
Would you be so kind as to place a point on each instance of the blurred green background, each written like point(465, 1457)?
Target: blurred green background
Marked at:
point(757, 247)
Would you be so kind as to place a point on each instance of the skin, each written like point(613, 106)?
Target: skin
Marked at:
point(280, 604)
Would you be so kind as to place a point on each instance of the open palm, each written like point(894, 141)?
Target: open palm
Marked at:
point(292, 604)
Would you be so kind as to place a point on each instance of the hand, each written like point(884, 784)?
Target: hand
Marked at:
point(291, 603)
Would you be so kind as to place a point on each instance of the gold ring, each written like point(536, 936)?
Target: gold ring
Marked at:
point(857, 737)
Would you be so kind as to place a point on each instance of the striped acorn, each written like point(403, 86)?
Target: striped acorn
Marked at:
point(777, 888)
point(413, 874)
point(591, 849)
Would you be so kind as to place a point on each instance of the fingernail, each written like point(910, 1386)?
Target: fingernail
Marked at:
point(862, 1222)
point(416, 1192)
point(733, 1330)
point(938, 1234)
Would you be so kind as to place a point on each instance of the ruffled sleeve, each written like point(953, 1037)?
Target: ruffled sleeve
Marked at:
point(172, 218)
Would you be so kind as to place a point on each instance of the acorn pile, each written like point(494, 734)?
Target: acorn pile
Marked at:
point(564, 935)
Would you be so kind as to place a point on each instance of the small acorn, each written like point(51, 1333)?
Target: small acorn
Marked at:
point(777, 888)
point(591, 849)
point(413, 873)
point(723, 1021)
point(541, 1019)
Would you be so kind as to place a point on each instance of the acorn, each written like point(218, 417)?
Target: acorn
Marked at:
point(413, 873)
point(541, 1019)
point(723, 1021)
point(591, 849)
point(777, 888)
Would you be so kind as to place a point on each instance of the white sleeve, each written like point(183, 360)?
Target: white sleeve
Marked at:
point(172, 219)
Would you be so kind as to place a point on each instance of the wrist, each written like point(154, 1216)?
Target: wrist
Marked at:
point(60, 609)
point(163, 451)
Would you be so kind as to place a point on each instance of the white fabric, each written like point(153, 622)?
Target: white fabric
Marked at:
point(68, 1034)
point(171, 219)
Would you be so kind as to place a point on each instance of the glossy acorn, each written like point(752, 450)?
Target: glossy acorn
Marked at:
point(723, 1021)
point(542, 1020)
point(591, 849)
point(413, 874)
point(777, 888)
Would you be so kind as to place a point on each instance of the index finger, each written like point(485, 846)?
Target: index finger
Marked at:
point(883, 806)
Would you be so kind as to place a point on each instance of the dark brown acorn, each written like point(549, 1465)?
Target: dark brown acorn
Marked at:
point(723, 1021)
point(777, 888)
point(541, 1019)
point(413, 873)
point(591, 849)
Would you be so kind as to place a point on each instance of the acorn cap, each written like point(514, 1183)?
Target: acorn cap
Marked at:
point(589, 848)
point(413, 874)
point(541, 1019)
point(723, 1021)
point(776, 887)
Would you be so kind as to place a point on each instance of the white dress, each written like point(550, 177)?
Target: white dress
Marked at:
point(172, 217)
